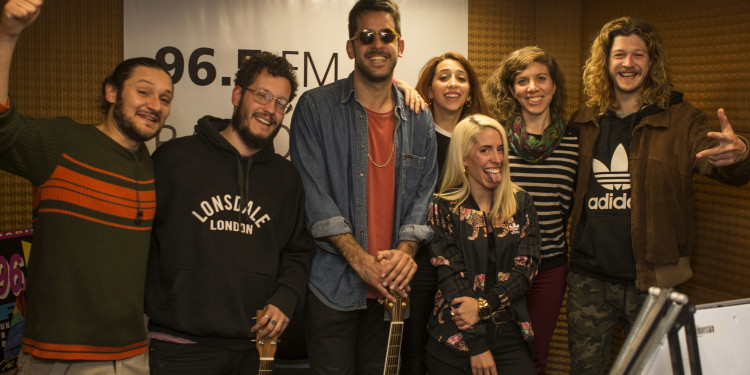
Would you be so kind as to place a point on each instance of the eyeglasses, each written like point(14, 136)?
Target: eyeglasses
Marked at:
point(264, 97)
point(367, 36)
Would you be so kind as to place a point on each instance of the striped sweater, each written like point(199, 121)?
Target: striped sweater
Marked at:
point(550, 183)
point(87, 267)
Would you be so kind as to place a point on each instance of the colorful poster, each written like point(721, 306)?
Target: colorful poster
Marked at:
point(15, 246)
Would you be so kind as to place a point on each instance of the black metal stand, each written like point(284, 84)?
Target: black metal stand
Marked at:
point(664, 313)
point(685, 319)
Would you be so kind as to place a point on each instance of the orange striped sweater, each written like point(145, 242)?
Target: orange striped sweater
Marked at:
point(94, 203)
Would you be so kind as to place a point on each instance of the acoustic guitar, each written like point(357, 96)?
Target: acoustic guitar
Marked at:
point(266, 350)
point(396, 311)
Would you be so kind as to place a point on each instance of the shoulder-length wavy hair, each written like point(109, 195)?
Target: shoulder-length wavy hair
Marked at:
point(496, 89)
point(455, 184)
point(427, 75)
point(597, 84)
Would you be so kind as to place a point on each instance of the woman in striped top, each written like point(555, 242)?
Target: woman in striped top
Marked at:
point(526, 94)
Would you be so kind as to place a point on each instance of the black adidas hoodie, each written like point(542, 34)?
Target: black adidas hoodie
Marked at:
point(602, 246)
point(229, 237)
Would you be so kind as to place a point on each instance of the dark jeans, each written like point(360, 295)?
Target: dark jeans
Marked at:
point(345, 342)
point(511, 353)
point(168, 358)
point(421, 303)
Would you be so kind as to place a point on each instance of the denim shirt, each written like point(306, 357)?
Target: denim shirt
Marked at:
point(329, 145)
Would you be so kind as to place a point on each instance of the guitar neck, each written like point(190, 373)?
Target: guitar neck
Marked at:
point(266, 366)
point(393, 353)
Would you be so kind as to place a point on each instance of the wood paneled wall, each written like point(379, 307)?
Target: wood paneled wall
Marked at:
point(58, 67)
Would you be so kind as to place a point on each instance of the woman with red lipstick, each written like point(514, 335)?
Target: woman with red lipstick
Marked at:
point(486, 252)
point(525, 94)
point(451, 86)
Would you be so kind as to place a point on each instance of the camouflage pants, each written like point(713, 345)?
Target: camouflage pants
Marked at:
point(595, 308)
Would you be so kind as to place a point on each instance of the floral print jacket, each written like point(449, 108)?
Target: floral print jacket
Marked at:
point(459, 250)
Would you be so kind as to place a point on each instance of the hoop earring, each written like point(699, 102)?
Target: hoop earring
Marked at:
point(468, 103)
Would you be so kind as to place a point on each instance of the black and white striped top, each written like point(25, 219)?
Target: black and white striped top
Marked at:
point(551, 183)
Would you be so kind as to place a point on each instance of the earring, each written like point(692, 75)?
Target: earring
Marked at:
point(466, 173)
point(429, 102)
point(468, 103)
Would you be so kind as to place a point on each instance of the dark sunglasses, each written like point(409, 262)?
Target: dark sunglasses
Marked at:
point(367, 36)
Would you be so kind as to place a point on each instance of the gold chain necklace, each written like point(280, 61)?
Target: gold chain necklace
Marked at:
point(393, 147)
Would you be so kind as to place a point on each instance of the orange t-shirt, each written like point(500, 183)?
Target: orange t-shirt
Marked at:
point(381, 184)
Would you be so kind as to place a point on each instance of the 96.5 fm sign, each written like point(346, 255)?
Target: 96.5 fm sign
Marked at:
point(202, 71)
point(203, 42)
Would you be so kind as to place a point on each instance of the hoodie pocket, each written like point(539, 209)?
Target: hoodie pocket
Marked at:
point(217, 302)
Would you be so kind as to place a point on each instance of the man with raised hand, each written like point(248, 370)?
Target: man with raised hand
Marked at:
point(632, 224)
point(94, 205)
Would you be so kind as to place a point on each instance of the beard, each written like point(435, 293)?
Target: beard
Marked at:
point(371, 76)
point(127, 125)
point(240, 123)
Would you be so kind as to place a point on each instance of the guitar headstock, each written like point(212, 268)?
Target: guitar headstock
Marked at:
point(266, 347)
point(396, 309)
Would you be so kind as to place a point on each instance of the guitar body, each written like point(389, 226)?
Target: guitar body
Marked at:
point(396, 332)
point(266, 350)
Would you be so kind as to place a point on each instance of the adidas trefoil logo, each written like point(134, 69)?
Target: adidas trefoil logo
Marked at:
point(614, 178)
point(618, 178)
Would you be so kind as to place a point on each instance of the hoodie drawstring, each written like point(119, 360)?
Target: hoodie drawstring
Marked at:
point(243, 181)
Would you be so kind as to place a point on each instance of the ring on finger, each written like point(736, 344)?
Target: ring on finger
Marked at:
point(273, 322)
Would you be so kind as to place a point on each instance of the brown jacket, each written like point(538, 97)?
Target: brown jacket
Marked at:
point(662, 163)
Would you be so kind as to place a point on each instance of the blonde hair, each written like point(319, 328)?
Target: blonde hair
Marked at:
point(597, 84)
point(496, 89)
point(455, 184)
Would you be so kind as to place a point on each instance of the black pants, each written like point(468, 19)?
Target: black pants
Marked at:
point(345, 342)
point(168, 358)
point(422, 301)
point(511, 353)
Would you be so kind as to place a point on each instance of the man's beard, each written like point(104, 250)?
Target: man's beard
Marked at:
point(127, 125)
point(251, 140)
point(369, 75)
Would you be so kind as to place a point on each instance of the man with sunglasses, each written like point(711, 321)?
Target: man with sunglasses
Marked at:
point(229, 233)
point(368, 167)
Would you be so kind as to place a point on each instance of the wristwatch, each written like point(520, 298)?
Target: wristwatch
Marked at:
point(485, 310)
